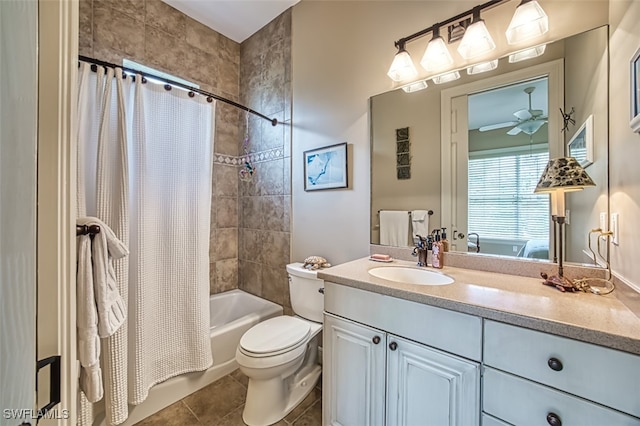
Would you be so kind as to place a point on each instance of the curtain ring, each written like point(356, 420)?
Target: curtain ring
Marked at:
point(167, 87)
point(209, 99)
point(191, 94)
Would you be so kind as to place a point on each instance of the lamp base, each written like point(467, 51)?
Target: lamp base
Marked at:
point(560, 282)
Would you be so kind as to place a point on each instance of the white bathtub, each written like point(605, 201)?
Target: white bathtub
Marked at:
point(231, 314)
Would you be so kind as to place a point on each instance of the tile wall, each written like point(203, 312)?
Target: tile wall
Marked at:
point(265, 203)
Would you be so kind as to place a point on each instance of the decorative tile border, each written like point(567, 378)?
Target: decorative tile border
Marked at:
point(254, 157)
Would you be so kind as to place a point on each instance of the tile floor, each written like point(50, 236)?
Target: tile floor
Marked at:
point(221, 404)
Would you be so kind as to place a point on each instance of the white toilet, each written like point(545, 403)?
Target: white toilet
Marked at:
point(280, 355)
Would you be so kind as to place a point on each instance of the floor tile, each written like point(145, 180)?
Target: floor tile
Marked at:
point(311, 417)
point(174, 415)
point(211, 403)
point(240, 377)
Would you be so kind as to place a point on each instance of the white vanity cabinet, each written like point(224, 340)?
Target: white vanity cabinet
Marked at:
point(532, 377)
point(381, 367)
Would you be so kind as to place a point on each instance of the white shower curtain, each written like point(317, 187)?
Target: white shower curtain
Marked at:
point(144, 168)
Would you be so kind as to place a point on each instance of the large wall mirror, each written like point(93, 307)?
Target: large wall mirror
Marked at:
point(471, 151)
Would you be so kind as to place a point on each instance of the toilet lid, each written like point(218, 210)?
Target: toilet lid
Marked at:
point(275, 335)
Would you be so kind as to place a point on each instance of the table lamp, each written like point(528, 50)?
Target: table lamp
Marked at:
point(563, 174)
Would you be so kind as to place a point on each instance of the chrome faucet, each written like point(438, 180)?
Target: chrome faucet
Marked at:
point(477, 243)
point(421, 249)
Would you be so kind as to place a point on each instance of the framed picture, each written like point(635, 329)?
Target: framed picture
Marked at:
point(581, 144)
point(325, 168)
point(635, 92)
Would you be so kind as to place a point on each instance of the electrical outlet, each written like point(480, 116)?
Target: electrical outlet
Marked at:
point(567, 217)
point(515, 249)
point(604, 225)
point(615, 228)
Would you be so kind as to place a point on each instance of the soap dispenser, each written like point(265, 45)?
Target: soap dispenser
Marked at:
point(436, 252)
point(445, 242)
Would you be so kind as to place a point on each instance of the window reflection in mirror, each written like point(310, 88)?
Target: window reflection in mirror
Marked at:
point(508, 151)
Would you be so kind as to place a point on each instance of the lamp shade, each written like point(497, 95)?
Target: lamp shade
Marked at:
point(563, 174)
point(476, 41)
point(529, 21)
point(402, 68)
point(436, 57)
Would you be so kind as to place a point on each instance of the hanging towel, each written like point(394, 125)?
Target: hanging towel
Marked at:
point(100, 308)
point(394, 228)
point(419, 223)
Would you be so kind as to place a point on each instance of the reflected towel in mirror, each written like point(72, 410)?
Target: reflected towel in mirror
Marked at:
point(394, 228)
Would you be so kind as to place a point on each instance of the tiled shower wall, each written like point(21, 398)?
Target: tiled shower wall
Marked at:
point(249, 220)
point(265, 203)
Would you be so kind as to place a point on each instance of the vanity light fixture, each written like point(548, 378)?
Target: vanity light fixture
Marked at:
point(476, 40)
point(402, 68)
point(529, 21)
point(482, 67)
point(445, 78)
point(522, 55)
point(436, 56)
point(562, 175)
point(415, 86)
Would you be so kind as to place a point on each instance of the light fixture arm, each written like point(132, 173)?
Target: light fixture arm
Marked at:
point(471, 12)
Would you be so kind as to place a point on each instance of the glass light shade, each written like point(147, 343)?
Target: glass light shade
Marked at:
point(482, 67)
point(445, 78)
point(436, 57)
point(415, 86)
point(476, 41)
point(529, 21)
point(402, 68)
point(530, 53)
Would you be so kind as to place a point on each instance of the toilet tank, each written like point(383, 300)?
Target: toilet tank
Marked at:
point(304, 290)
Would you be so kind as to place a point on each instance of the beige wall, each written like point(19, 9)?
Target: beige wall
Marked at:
point(341, 53)
point(624, 149)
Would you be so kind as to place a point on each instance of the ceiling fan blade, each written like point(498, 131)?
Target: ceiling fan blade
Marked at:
point(523, 114)
point(514, 131)
point(536, 112)
point(497, 126)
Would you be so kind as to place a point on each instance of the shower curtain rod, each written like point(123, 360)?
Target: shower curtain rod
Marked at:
point(274, 121)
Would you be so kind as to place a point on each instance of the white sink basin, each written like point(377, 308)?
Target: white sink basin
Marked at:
point(407, 275)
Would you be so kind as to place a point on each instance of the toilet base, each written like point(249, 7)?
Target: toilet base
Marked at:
point(264, 405)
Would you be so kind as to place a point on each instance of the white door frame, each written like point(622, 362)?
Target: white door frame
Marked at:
point(57, 93)
point(554, 70)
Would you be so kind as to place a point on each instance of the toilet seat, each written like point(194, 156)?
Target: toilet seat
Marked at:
point(275, 336)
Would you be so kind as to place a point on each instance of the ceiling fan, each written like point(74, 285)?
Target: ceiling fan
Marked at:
point(528, 121)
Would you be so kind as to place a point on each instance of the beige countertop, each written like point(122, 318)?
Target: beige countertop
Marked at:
point(522, 301)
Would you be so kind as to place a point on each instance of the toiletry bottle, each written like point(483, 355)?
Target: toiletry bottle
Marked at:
point(444, 241)
point(436, 252)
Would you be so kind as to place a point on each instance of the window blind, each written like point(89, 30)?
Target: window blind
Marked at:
point(502, 204)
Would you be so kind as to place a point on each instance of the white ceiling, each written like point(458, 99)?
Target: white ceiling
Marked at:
point(236, 19)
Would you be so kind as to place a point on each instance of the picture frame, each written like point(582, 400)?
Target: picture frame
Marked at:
point(326, 167)
point(635, 92)
point(581, 144)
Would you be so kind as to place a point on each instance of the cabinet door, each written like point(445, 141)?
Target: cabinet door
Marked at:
point(429, 387)
point(353, 385)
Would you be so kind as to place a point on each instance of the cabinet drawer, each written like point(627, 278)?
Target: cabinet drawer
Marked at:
point(450, 331)
point(522, 402)
point(603, 375)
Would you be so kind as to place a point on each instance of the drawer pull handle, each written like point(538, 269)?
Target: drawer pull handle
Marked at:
point(555, 364)
point(553, 419)
point(376, 340)
point(393, 346)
